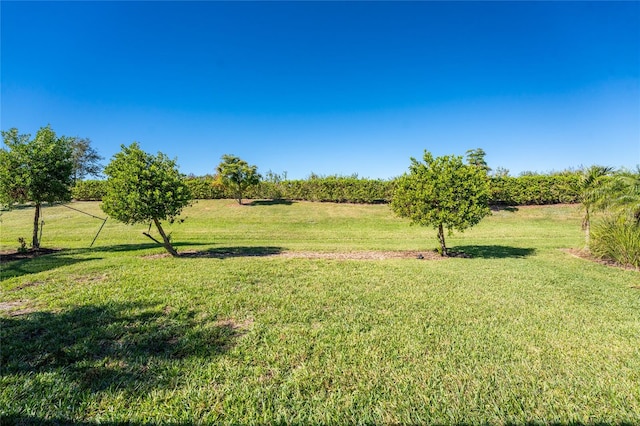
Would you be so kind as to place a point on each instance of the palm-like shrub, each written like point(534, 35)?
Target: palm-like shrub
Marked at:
point(592, 193)
point(617, 236)
point(628, 197)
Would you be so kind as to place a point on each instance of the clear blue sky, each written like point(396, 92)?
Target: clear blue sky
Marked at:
point(330, 87)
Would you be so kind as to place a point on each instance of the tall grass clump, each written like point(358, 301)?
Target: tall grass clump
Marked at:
point(617, 239)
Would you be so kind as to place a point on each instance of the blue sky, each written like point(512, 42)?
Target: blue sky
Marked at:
point(330, 87)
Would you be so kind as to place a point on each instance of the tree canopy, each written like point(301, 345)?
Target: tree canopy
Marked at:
point(442, 192)
point(237, 174)
point(37, 170)
point(475, 157)
point(86, 160)
point(143, 188)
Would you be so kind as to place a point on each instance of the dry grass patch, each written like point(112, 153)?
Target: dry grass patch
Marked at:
point(17, 307)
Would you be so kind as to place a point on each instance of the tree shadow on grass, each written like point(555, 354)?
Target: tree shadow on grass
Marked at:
point(274, 202)
point(494, 252)
point(230, 252)
point(214, 253)
point(124, 347)
point(14, 266)
point(136, 247)
point(499, 207)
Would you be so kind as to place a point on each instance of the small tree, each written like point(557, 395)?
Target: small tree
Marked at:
point(475, 157)
point(237, 174)
point(443, 193)
point(86, 160)
point(142, 188)
point(593, 193)
point(37, 170)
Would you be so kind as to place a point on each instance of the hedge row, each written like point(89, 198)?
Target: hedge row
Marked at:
point(331, 189)
point(535, 189)
point(524, 190)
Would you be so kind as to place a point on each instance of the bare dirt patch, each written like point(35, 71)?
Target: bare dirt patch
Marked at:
point(27, 285)
point(350, 255)
point(90, 279)
point(362, 255)
point(16, 308)
point(235, 325)
point(583, 254)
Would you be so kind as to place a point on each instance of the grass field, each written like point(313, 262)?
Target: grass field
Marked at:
point(250, 328)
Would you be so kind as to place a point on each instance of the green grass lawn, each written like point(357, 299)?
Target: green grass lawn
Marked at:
point(244, 331)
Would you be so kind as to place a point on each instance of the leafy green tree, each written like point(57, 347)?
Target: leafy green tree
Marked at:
point(442, 192)
point(475, 157)
point(86, 161)
point(592, 189)
point(143, 188)
point(37, 170)
point(237, 174)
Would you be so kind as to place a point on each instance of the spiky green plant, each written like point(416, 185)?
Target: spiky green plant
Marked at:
point(617, 238)
point(592, 190)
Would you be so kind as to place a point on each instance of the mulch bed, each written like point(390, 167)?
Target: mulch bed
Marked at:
point(583, 254)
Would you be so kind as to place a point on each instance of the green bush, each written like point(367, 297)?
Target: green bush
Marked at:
point(88, 190)
point(617, 239)
point(534, 189)
point(206, 188)
point(338, 189)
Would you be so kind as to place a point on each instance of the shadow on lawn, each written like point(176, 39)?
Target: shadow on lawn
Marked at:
point(16, 267)
point(499, 207)
point(494, 252)
point(214, 253)
point(141, 246)
point(274, 202)
point(130, 347)
point(230, 252)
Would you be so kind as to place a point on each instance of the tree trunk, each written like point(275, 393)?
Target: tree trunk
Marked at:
point(167, 245)
point(586, 226)
point(443, 246)
point(35, 242)
point(587, 233)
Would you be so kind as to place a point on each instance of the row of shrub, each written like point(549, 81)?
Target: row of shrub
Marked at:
point(524, 190)
point(331, 189)
point(535, 189)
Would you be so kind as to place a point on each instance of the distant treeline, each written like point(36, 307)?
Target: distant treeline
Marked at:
point(506, 190)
